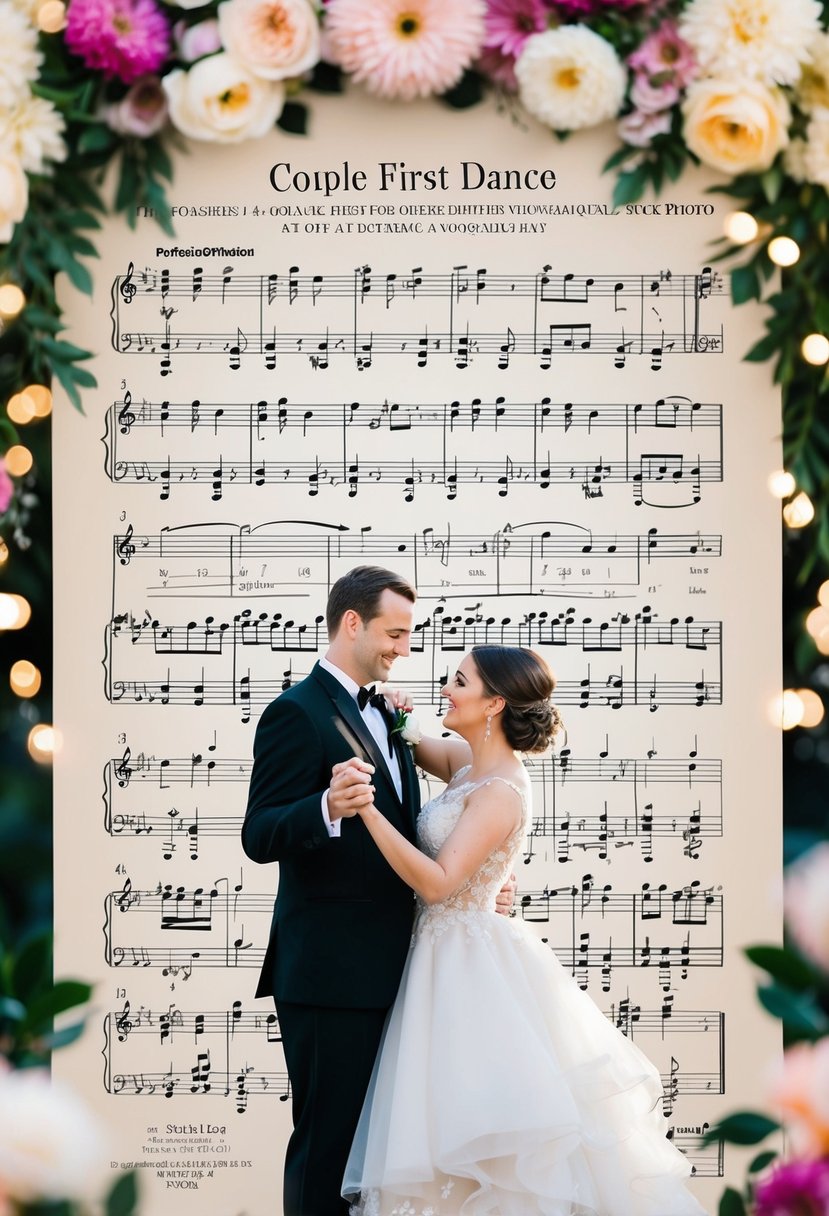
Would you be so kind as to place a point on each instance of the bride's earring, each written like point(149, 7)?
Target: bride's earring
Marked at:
point(488, 730)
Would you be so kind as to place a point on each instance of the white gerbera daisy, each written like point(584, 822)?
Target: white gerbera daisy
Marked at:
point(34, 131)
point(816, 152)
point(765, 40)
point(570, 78)
point(20, 59)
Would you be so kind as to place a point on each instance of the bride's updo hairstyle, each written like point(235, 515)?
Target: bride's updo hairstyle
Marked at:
point(529, 721)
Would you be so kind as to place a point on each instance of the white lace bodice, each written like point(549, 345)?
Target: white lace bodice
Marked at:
point(472, 903)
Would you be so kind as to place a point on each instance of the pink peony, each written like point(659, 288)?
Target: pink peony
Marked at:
point(651, 97)
point(509, 24)
point(6, 490)
point(664, 51)
point(195, 41)
point(639, 128)
point(405, 48)
point(807, 903)
point(123, 38)
point(800, 1093)
point(142, 112)
point(796, 1188)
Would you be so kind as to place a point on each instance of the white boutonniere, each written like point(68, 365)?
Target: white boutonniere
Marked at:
point(405, 724)
point(407, 727)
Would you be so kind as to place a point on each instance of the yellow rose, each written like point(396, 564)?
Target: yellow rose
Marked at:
point(735, 127)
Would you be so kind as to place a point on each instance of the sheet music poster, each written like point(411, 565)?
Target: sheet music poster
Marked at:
point(421, 339)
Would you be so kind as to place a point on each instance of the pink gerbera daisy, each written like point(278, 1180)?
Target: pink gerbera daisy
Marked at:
point(664, 51)
point(405, 48)
point(509, 24)
point(123, 38)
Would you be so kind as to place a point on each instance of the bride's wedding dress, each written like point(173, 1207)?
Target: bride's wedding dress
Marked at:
point(500, 1088)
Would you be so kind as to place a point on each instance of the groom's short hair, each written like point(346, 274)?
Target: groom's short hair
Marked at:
point(360, 590)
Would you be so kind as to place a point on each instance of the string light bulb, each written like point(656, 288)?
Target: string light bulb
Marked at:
point(815, 349)
point(4, 552)
point(24, 678)
point(813, 710)
point(43, 742)
point(51, 16)
point(783, 251)
point(18, 460)
point(823, 594)
point(21, 408)
point(741, 228)
point(800, 511)
point(15, 611)
point(782, 484)
point(41, 398)
point(12, 301)
point(787, 710)
point(817, 622)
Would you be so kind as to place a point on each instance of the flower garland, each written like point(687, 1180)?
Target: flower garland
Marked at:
point(741, 86)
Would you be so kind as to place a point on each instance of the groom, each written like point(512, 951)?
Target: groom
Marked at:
point(342, 921)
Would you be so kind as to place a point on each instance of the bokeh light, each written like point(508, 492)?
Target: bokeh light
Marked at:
point(24, 678)
point(799, 512)
point(741, 228)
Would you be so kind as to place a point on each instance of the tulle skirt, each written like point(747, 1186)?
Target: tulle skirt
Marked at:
point(501, 1089)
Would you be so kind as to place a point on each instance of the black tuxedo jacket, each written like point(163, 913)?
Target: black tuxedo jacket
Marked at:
point(342, 919)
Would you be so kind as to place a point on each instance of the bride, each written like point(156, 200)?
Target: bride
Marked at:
point(500, 1089)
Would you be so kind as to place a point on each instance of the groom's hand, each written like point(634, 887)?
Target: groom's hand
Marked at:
point(506, 897)
point(350, 788)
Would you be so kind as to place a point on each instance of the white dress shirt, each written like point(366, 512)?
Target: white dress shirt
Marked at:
point(377, 724)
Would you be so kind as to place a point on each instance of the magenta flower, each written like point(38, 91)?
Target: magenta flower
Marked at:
point(572, 8)
point(123, 38)
point(509, 24)
point(664, 51)
point(500, 68)
point(6, 490)
point(796, 1188)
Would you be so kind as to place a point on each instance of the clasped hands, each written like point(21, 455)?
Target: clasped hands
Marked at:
point(351, 791)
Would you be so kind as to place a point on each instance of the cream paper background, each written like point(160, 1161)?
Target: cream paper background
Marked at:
point(197, 1153)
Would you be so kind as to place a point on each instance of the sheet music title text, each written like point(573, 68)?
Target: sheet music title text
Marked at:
point(396, 175)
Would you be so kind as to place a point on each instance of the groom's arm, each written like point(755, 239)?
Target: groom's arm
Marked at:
point(284, 814)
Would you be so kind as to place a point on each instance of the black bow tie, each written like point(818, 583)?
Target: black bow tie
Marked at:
point(364, 695)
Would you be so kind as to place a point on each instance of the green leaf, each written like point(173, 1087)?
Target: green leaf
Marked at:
point(66, 352)
point(14, 1010)
point(326, 78)
point(764, 349)
point(82, 377)
point(762, 1160)
point(32, 969)
point(63, 1037)
point(122, 1199)
point(731, 1203)
point(783, 965)
point(620, 156)
point(79, 276)
point(744, 1127)
point(294, 118)
point(798, 1011)
point(158, 160)
point(62, 372)
point(66, 994)
point(469, 91)
point(745, 284)
point(630, 185)
point(97, 139)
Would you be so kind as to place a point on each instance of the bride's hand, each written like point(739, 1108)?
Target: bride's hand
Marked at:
point(397, 698)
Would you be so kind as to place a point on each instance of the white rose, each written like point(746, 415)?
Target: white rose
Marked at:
point(50, 1148)
point(411, 732)
point(737, 127)
point(14, 194)
point(570, 78)
point(271, 38)
point(218, 99)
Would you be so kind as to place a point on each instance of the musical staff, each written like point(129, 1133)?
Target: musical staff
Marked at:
point(592, 927)
point(551, 558)
point(664, 450)
point(547, 316)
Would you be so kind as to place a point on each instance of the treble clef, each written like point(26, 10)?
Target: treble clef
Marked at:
point(125, 899)
point(123, 1023)
point(123, 772)
point(126, 417)
point(126, 549)
point(126, 287)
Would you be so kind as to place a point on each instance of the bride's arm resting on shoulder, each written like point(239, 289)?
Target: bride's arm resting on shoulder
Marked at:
point(492, 812)
point(440, 757)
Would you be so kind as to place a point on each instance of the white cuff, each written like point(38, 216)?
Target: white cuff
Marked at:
point(335, 827)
